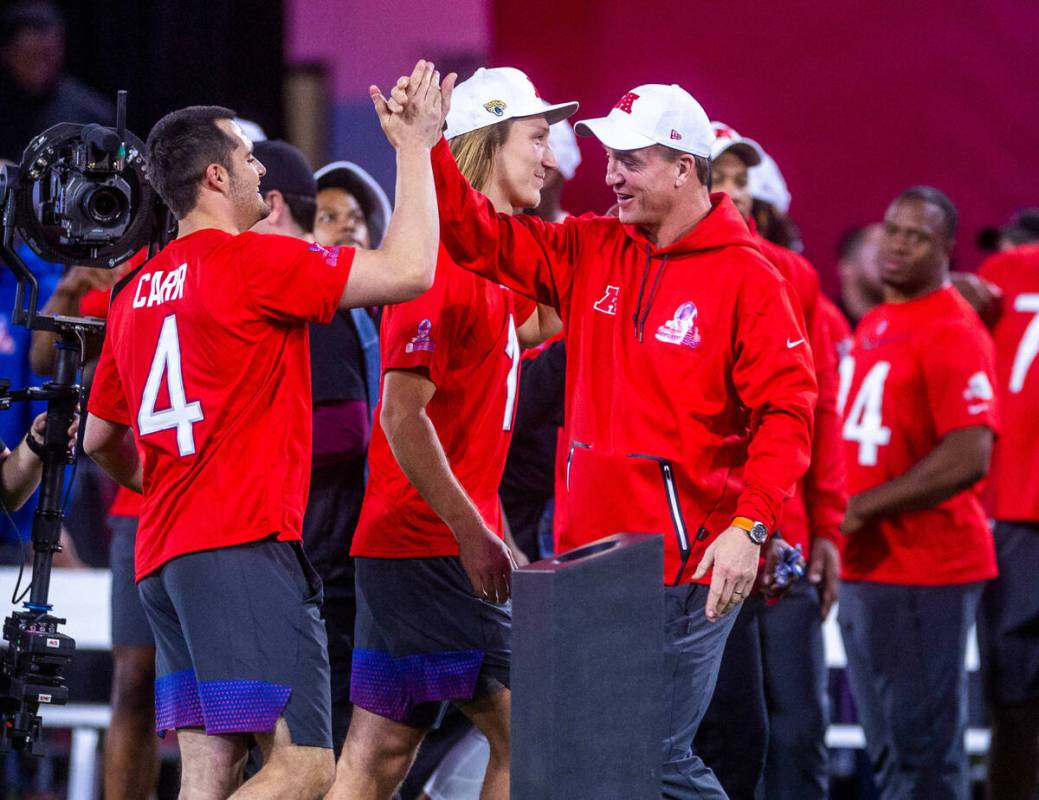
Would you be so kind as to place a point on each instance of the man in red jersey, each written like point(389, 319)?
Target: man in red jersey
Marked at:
point(689, 386)
point(432, 572)
point(919, 420)
point(768, 717)
point(205, 365)
point(1008, 620)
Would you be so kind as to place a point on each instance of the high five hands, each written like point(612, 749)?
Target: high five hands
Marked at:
point(415, 112)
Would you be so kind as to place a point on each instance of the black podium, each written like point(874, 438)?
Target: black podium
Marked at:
point(587, 663)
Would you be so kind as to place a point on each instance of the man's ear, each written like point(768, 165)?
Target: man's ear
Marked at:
point(216, 178)
point(685, 170)
point(276, 200)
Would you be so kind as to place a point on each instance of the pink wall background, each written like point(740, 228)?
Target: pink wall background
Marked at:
point(854, 100)
point(365, 42)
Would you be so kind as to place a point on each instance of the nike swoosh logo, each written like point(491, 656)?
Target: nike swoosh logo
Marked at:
point(790, 344)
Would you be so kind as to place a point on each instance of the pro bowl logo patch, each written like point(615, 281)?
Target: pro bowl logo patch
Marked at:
point(329, 254)
point(421, 341)
point(496, 107)
point(681, 328)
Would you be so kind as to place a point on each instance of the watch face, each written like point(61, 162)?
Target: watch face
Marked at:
point(758, 533)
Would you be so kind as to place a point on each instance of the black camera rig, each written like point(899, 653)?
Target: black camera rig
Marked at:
point(80, 196)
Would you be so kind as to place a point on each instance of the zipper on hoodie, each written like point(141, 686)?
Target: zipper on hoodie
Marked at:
point(674, 508)
point(570, 459)
point(642, 314)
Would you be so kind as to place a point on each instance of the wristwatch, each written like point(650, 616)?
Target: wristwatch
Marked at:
point(34, 444)
point(757, 532)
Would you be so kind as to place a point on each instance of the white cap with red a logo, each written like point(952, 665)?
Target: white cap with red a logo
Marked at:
point(494, 95)
point(653, 113)
point(726, 139)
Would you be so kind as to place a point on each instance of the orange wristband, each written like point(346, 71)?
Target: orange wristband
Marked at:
point(743, 523)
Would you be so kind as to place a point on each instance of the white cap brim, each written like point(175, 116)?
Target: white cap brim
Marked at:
point(560, 111)
point(614, 136)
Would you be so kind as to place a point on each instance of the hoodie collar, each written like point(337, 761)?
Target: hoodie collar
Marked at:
point(723, 226)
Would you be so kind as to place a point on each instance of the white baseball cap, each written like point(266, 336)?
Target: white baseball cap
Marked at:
point(653, 114)
point(564, 146)
point(495, 95)
point(766, 182)
point(726, 139)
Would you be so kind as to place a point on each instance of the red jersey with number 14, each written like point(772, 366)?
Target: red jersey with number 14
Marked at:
point(206, 357)
point(1014, 485)
point(461, 334)
point(917, 371)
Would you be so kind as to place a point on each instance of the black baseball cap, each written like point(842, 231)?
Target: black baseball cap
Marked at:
point(1022, 228)
point(287, 169)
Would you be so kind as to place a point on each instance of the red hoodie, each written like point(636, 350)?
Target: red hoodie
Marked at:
point(690, 388)
point(817, 507)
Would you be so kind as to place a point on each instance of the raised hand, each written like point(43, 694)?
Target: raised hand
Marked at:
point(414, 114)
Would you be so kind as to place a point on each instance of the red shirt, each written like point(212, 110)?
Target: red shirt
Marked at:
point(690, 391)
point(1014, 483)
point(206, 357)
point(917, 371)
point(819, 502)
point(462, 335)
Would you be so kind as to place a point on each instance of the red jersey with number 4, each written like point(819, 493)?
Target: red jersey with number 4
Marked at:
point(917, 371)
point(1014, 483)
point(206, 357)
point(461, 334)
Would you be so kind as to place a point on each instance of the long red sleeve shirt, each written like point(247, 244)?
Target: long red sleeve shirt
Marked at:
point(690, 388)
point(818, 505)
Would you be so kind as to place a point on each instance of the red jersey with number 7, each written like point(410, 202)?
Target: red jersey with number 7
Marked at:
point(1014, 483)
point(206, 357)
point(461, 335)
point(917, 371)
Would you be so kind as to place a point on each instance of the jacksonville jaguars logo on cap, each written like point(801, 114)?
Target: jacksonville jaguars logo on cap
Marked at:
point(496, 107)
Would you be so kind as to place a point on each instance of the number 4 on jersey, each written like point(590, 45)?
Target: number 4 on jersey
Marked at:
point(863, 423)
point(181, 414)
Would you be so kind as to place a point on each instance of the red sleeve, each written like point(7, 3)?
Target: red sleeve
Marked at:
point(107, 398)
point(523, 307)
point(292, 280)
point(522, 252)
point(421, 332)
point(774, 376)
point(826, 485)
point(95, 303)
point(959, 372)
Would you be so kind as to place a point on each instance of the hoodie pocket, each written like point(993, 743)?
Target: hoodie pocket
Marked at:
point(674, 507)
point(570, 458)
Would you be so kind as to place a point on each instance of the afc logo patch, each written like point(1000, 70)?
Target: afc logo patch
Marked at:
point(624, 104)
point(496, 107)
point(682, 328)
point(607, 304)
point(422, 340)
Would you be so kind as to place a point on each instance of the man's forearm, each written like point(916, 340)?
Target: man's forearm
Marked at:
point(414, 231)
point(944, 472)
point(415, 445)
point(19, 476)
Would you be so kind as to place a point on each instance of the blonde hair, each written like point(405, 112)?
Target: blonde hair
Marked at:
point(475, 151)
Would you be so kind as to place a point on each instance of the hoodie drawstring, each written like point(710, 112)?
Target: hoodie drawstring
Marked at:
point(642, 289)
point(640, 319)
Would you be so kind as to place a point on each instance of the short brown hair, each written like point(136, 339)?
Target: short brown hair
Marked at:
point(474, 151)
point(703, 165)
point(179, 149)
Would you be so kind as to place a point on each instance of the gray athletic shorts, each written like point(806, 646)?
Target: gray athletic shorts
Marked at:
point(422, 638)
point(130, 626)
point(240, 642)
point(1008, 618)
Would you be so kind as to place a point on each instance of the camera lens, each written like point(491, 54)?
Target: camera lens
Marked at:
point(104, 205)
